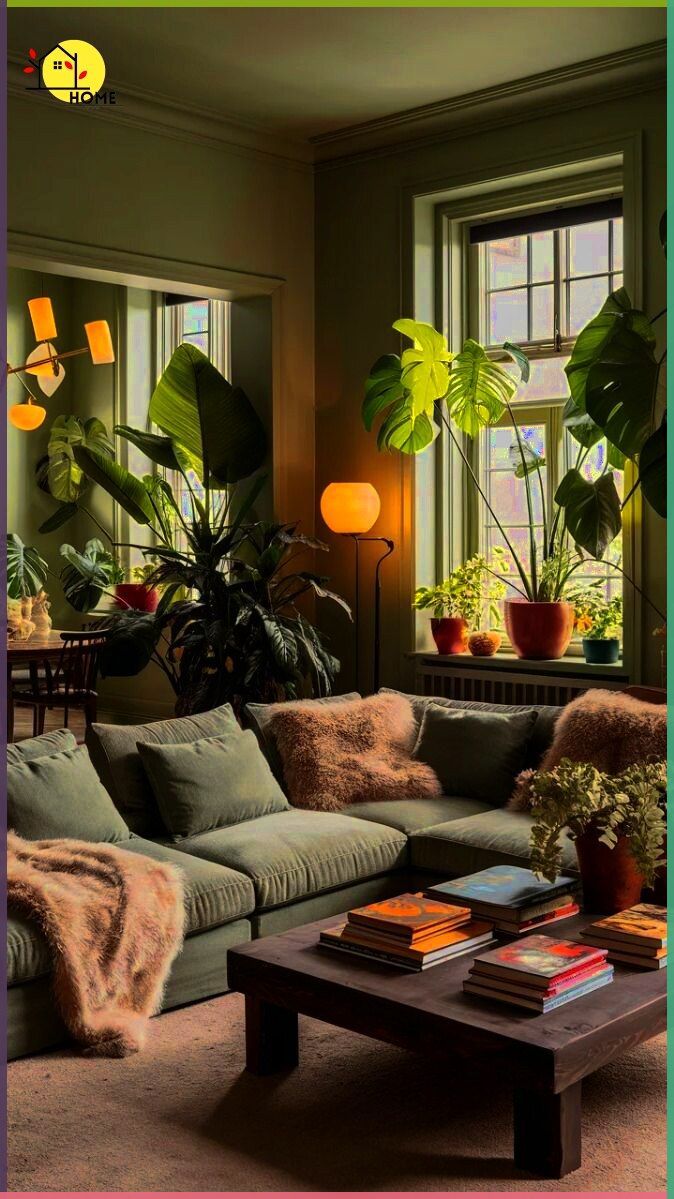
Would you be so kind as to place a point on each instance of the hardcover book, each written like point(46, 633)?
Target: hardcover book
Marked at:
point(645, 923)
point(501, 889)
point(406, 959)
point(410, 916)
point(539, 958)
point(540, 1004)
point(475, 932)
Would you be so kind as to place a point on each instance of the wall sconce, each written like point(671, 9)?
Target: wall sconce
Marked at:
point(45, 362)
point(351, 509)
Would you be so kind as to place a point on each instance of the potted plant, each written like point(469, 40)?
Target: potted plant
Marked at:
point(467, 392)
point(599, 621)
point(139, 594)
point(26, 576)
point(458, 602)
point(618, 823)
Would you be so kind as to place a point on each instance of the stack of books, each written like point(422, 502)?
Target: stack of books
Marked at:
point(513, 898)
point(538, 973)
point(409, 931)
point(637, 936)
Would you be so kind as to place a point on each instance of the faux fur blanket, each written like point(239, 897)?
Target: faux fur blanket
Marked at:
point(356, 752)
point(114, 922)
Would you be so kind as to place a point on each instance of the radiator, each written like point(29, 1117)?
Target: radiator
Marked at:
point(503, 683)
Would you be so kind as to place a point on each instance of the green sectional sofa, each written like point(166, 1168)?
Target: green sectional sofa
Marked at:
point(272, 872)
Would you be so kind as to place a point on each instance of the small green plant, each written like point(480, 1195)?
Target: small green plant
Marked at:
point(596, 617)
point(579, 798)
point(468, 591)
point(26, 569)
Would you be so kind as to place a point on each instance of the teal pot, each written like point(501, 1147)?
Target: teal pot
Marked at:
point(601, 651)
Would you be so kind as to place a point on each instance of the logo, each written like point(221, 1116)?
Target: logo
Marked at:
point(72, 71)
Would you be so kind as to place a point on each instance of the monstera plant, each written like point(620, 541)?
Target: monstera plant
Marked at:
point(58, 473)
point(239, 635)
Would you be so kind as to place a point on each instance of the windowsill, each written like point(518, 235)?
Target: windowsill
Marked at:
point(506, 661)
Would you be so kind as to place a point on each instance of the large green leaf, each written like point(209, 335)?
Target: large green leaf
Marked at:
point(581, 426)
point(591, 510)
point(61, 516)
point(86, 575)
point(26, 570)
point(592, 341)
point(128, 491)
point(382, 388)
point(424, 367)
point(411, 434)
point(65, 478)
point(157, 449)
point(478, 390)
point(653, 469)
point(214, 422)
point(620, 389)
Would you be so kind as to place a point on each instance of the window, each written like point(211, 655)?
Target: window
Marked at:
point(538, 287)
point(206, 325)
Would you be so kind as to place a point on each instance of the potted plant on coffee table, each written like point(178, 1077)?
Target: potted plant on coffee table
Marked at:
point(458, 603)
point(618, 823)
point(599, 621)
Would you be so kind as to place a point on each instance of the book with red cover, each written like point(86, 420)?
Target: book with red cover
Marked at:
point(409, 917)
point(538, 959)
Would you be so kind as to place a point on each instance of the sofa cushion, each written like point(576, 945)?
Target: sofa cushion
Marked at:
point(409, 815)
point(452, 742)
point(28, 955)
point(114, 753)
point(39, 747)
point(290, 855)
point(542, 733)
point(260, 716)
point(498, 837)
point(60, 795)
point(211, 783)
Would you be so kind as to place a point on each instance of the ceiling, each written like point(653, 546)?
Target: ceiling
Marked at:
point(303, 73)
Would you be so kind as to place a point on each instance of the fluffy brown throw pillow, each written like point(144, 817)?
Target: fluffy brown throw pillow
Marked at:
point(114, 922)
point(607, 729)
point(351, 753)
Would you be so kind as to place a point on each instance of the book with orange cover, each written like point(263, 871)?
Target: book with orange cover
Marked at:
point(410, 917)
point(341, 938)
point(645, 925)
point(374, 939)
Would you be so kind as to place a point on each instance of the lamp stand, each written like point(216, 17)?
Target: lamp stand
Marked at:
point(390, 546)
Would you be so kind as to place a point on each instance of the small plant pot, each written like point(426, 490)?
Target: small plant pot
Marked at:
point(484, 644)
point(611, 880)
point(450, 634)
point(138, 596)
point(601, 651)
point(539, 631)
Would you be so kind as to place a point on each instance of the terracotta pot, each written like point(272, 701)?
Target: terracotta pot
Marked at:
point(539, 631)
point(138, 596)
point(484, 644)
point(450, 634)
point(611, 880)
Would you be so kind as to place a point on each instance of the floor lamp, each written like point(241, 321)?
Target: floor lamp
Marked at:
point(351, 509)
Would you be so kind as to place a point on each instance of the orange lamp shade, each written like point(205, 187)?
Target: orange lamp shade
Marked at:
point(42, 316)
point(27, 415)
point(350, 507)
point(100, 342)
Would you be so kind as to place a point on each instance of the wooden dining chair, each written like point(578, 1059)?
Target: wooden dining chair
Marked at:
point(70, 685)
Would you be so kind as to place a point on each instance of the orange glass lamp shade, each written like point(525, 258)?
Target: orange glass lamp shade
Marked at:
point(100, 342)
point(42, 316)
point(350, 507)
point(27, 415)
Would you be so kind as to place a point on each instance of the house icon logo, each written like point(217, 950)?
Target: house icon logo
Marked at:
point(72, 71)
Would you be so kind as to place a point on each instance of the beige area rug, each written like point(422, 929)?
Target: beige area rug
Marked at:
point(355, 1115)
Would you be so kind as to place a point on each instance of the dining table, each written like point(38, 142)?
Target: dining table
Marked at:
point(22, 654)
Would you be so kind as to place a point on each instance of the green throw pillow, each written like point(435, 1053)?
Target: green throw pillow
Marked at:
point(61, 795)
point(39, 747)
point(211, 783)
point(475, 754)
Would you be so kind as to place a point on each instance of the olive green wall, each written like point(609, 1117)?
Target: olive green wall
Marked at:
point(359, 247)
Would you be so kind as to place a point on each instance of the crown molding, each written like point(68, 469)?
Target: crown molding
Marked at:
point(637, 69)
point(154, 112)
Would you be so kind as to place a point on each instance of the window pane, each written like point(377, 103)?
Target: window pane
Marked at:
point(508, 317)
point(547, 380)
point(499, 440)
point(195, 316)
point(542, 257)
point(586, 297)
point(617, 282)
point(617, 244)
point(506, 492)
point(542, 313)
point(198, 339)
point(588, 248)
point(507, 262)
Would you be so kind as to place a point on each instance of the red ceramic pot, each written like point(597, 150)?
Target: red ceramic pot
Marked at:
point(611, 880)
point(450, 634)
point(138, 596)
point(539, 631)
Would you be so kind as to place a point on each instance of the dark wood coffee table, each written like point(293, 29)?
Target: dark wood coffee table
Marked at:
point(546, 1056)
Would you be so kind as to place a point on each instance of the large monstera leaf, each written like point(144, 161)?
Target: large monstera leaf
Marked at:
point(478, 390)
point(383, 388)
point(424, 366)
point(653, 469)
point(591, 510)
point(86, 574)
point(214, 423)
point(26, 570)
point(402, 429)
point(65, 478)
point(615, 315)
point(621, 388)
